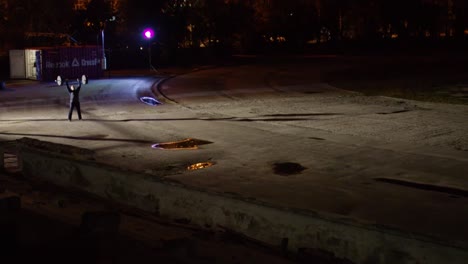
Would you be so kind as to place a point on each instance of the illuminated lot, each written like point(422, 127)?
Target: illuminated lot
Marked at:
point(294, 143)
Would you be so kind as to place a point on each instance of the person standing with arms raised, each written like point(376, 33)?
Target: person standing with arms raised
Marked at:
point(74, 99)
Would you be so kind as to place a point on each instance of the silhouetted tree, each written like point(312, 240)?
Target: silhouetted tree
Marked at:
point(88, 23)
point(36, 16)
point(461, 18)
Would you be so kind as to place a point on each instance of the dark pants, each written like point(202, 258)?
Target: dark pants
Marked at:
point(74, 104)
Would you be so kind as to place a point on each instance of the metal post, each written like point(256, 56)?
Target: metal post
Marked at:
point(149, 55)
point(151, 67)
point(104, 60)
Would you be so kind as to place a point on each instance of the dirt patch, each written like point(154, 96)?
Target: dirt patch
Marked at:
point(288, 168)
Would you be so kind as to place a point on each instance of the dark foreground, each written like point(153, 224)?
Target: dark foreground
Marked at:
point(41, 222)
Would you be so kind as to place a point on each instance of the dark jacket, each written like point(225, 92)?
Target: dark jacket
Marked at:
point(75, 94)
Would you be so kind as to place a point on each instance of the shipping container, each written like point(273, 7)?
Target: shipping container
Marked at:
point(45, 64)
point(23, 64)
point(70, 63)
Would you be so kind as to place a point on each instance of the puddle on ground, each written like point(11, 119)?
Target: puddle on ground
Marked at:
point(316, 138)
point(150, 101)
point(288, 168)
point(189, 143)
point(200, 165)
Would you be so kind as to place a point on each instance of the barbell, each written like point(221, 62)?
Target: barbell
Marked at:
point(59, 80)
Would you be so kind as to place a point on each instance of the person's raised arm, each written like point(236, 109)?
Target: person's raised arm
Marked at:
point(79, 84)
point(68, 86)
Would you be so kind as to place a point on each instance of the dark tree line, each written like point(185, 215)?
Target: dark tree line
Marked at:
point(239, 25)
point(256, 24)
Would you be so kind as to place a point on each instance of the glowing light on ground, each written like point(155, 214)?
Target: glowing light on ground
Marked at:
point(201, 165)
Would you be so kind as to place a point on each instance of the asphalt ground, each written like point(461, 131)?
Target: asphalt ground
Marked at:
point(392, 162)
point(48, 223)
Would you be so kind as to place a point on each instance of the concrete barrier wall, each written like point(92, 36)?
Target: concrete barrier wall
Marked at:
point(11, 148)
point(294, 230)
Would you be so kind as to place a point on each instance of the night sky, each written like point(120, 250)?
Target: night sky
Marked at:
point(233, 26)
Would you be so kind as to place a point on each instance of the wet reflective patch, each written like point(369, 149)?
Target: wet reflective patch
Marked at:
point(189, 143)
point(201, 165)
point(150, 101)
point(288, 168)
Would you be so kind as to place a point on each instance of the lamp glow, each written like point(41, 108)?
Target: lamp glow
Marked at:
point(148, 33)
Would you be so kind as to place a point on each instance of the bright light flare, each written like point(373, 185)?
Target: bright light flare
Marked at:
point(148, 33)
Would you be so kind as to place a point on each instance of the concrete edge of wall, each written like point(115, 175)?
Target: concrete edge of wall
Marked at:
point(291, 229)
